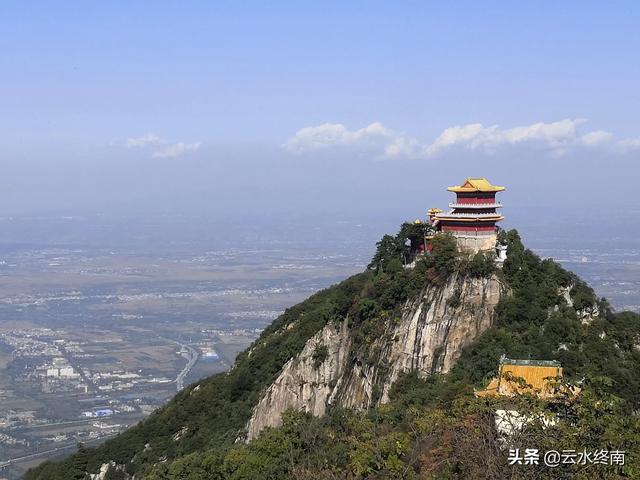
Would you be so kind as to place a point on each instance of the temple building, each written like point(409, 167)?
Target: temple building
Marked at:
point(523, 376)
point(542, 378)
point(536, 377)
point(473, 216)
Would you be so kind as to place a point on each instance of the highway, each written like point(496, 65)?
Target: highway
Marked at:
point(192, 358)
point(47, 453)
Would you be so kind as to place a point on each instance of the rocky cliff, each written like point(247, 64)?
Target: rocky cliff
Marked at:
point(334, 368)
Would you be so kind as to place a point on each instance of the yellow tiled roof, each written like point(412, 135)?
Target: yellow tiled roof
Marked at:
point(476, 185)
point(525, 376)
point(537, 379)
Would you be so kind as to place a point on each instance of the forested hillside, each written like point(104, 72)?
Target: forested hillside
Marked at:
point(432, 427)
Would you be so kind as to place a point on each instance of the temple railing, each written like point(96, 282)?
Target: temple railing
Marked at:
point(443, 216)
point(471, 234)
point(475, 205)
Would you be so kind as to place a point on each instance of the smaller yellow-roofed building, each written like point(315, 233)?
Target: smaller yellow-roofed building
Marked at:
point(537, 377)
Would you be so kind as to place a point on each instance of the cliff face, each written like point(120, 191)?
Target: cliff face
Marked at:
point(428, 337)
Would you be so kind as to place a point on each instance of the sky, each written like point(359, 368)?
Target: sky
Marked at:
point(245, 108)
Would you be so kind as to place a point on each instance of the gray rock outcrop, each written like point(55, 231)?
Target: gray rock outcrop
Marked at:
point(429, 337)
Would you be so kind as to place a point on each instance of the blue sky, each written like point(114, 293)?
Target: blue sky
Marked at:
point(105, 101)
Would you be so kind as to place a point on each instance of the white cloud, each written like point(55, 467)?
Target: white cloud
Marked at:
point(336, 134)
point(402, 147)
point(176, 150)
point(457, 135)
point(140, 142)
point(597, 137)
point(630, 144)
point(162, 148)
point(557, 137)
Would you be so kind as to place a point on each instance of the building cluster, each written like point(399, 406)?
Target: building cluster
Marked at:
point(58, 368)
point(238, 332)
point(52, 365)
point(11, 440)
point(208, 352)
point(10, 418)
point(98, 412)
point(48, 360)
point(28, 343)
point(114, 381)
point(94, 431)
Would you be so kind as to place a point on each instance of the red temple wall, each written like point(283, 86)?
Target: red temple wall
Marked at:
point(476, 197)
